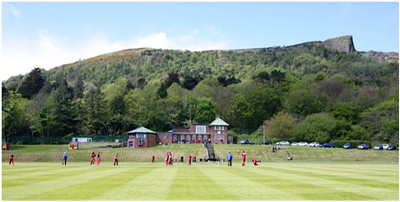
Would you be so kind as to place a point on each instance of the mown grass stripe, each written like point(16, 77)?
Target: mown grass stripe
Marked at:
point(243, 185)
point(365, 179)
point(357, 169)
point(66, 178)
point(40, 174)
point(197, 186)
point(346, 189)
point(151, 185)
point(304, 186)
point(93, 189)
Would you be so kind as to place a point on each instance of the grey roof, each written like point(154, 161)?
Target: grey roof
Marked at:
point(142, 130)
point(219, 122)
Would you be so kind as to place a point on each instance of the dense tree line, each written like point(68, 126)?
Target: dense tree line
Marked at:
point(308, 93)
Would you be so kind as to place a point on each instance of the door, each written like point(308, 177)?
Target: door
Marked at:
point(130, 144)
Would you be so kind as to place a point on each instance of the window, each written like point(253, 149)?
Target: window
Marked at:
point(140, 142)
point(193, 137)
point(164, 136)
point(200, 129)
point(218, 128)
point(167, 136)
point(131, 137)
point(140, 135)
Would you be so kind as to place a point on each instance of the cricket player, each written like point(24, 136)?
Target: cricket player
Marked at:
point(243, 158)
point(153, 159)
point(116, 159)
point(167, 160)
point(189, 160)
point(92, 155)
point(64, 158)
point(170, 159)
point(98, 158)
point(11, 159)
point(229, 158)
point(255, 162)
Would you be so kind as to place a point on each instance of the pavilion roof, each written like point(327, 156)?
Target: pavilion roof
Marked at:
point(219, 122)
point(142, 130)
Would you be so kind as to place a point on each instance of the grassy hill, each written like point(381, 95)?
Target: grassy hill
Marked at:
point(53, 153)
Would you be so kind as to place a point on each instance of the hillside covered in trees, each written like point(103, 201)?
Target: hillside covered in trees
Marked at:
point(314, 91)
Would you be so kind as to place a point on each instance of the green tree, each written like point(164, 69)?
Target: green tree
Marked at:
point(172, 78)
point(241, 111)
point(162, 91)
point(206, 87)
point(189, 82)
point(358, 132)
point(13, 115)
point(95, 109)
point(32, 83)
point(345, 111)
point(382, 121)
point(117, 105)
point(262, 77)
point(205, 110)
point(302, 101)
point(277, 76)
point(333, 91)
point(60, 115)
point(135, 107)
point(174, 105)
point(189, 106)
point(316, 127)
point(79, 88)
point(117, 89)
point(35, 111)
point(281, 126)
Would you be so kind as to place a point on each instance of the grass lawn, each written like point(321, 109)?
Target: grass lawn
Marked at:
point(203, 181)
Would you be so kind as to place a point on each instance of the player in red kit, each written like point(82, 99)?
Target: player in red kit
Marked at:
point(170, 159)
point(152, 159)
point(189, 160)
point(92, 155)
point(116, 159)
point(11, 159)
point(243, 158)
point(255, 162)
point(167, 159)
point(98, 158)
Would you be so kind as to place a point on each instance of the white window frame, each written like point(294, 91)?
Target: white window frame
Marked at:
point(201, 129)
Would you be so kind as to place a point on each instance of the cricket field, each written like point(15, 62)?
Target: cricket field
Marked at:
point(202, 181)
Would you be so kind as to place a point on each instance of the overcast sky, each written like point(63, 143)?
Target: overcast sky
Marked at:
point(50, 34)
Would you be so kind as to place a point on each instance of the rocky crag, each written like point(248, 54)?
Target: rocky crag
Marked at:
point(342, 44)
